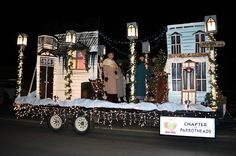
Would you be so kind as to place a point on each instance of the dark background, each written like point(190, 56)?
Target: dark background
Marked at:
point(40, 18)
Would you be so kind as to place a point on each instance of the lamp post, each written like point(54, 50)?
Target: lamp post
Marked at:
point(146, 51)
point(71, 40)
point(211, 29)
point(132, 34)
point(22, 43)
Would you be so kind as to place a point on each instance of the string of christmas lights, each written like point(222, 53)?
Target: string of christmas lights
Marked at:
point(101, 115)
point(132, 70)
point(20, 70)
point(213, 75)
point(68, 81)
point(155, 39)
point(152, 38)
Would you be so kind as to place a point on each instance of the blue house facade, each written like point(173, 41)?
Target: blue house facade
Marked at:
point(187, 63)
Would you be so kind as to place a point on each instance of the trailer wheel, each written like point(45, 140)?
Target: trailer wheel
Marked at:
point(55, 122)
point(81, 125)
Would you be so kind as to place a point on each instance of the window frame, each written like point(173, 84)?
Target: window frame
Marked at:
point(202, 78)
point(76, 60)
point(176, 43)
point(176, 86)
point(198, 40)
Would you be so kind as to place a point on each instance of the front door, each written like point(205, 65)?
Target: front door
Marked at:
point(46, 77)
point(189, 90)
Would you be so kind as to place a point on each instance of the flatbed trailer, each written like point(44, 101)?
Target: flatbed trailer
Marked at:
point(82, 118)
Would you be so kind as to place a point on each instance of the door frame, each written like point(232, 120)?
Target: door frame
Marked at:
point(188, 66)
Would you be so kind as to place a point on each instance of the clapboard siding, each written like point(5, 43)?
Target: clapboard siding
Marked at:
point(78, 77)
point(187, 32)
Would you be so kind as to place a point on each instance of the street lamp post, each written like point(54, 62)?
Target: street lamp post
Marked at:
point(211, 29)
point(71, 40)
point(21, 42)
point(146, 51)
point(132, 34)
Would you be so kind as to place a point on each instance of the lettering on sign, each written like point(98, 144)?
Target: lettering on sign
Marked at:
point(208, 44)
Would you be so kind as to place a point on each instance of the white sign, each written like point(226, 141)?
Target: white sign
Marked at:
point(187, 126)
point(212, 44)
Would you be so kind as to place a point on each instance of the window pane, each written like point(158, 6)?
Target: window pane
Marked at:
point(202, 37)
point(179, 85)
point(73, 63)
point(173, 70)
point(173, 49)
point(198, 85)
point(203, 70)
point(197, 47)
point(172, 39)
point(178, 39)
point(198, 70)
point(185, 77)
point(203, 85)
point(174, 85)
point(192, 79)
point(179, 70)
point(197, 38)
point(74, 54)
point(179, 48)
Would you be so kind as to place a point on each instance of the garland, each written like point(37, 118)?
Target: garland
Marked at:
point(102, 116)
point(20, 70)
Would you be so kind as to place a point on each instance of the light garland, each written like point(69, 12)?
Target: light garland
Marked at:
point(132, 70)
point(20, 70)
point(183, 55)
point(102, 116)
point(212, 72)
point(155, 39)
point(68, 81)
point(146, 66)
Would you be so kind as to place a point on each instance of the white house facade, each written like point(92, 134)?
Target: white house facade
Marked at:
point(51, 70)
point(187, 63)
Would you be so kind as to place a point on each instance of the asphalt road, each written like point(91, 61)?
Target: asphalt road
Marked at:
point(29, 138)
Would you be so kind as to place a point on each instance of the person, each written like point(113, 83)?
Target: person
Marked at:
point(120, 83)
point(140, 76)
point(110, 77)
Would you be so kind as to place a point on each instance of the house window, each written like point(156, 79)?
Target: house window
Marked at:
point(201, 76)
point(199, 37)
point(176, 76)
point(175, 44)
point(78, 60)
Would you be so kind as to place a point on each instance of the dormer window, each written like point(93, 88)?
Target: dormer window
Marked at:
point(199, 37)
point(175, 43)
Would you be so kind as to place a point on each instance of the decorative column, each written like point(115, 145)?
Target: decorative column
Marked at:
point(21, 42)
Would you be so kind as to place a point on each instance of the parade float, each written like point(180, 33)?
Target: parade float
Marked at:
point(67, 62)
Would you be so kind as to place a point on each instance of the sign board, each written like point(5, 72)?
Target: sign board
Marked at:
point(187, 126)
point(208, 44)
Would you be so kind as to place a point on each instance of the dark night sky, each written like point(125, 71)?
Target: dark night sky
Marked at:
point(40, 19)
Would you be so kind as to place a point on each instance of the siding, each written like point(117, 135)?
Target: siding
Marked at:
point(187, 35)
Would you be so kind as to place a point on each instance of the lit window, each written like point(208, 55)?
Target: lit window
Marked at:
point(78, 60)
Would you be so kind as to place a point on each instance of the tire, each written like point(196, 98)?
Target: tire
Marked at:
point(55, 123)
point(81, 125)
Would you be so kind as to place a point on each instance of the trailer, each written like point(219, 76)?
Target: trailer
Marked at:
point(83, 113)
